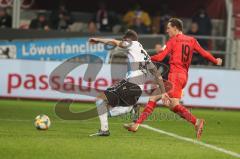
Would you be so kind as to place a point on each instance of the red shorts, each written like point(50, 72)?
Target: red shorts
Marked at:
point(178, 81)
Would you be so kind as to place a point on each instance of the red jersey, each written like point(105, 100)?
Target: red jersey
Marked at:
point(181, 48)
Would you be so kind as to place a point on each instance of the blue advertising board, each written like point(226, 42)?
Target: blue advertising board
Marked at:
point(55, 49)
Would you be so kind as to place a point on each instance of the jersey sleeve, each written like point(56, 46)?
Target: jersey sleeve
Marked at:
point(204, 53)
point(124, 44)
point(162, 54)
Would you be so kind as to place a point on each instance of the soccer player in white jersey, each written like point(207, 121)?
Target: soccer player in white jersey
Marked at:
point(127, 91)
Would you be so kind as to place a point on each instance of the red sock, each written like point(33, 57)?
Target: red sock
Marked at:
point(185, 113)
point(146, 112)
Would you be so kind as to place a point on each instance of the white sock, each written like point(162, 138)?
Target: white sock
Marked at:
point(102, 114)
point(116, 111)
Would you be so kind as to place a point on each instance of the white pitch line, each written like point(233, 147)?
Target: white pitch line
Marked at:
point(234, 154)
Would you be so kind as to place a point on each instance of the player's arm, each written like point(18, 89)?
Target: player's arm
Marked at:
point(112, 42)
point(206, 54)
point(162, 53)
point(158, 78)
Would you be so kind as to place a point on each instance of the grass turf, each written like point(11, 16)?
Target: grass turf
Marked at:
point(69, 139)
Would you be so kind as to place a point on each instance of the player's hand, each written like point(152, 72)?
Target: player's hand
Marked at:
point(219, 61)
point(165, 99)
point(93, 40)
point(158, 48)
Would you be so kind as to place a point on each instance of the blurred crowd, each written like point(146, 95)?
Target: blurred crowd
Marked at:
point(105, 20)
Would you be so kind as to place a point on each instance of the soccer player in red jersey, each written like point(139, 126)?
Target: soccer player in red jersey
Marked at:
point(180, 47)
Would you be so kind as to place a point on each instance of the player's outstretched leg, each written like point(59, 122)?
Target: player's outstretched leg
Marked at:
point(183, 112)
point(144, 115)
point(152, 103)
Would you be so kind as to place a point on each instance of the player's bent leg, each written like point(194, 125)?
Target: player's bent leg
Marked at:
point(179, 109)
point(119, 110)
point(152, 103)
point(199, 127)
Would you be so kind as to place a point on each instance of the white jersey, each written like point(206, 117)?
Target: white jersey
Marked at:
point(136, 52)
point(138, 59)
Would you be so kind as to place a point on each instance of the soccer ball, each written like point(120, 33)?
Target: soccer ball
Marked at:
point(42, 122)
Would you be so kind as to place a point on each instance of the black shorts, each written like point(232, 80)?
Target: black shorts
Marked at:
point(124, 93)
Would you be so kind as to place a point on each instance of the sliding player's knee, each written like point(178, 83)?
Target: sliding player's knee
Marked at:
point(174, 102)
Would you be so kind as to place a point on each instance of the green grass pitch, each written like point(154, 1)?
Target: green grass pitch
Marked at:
point(69, 139)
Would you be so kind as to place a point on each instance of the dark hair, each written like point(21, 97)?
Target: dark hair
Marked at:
point(175, 22)
point(131, 34)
